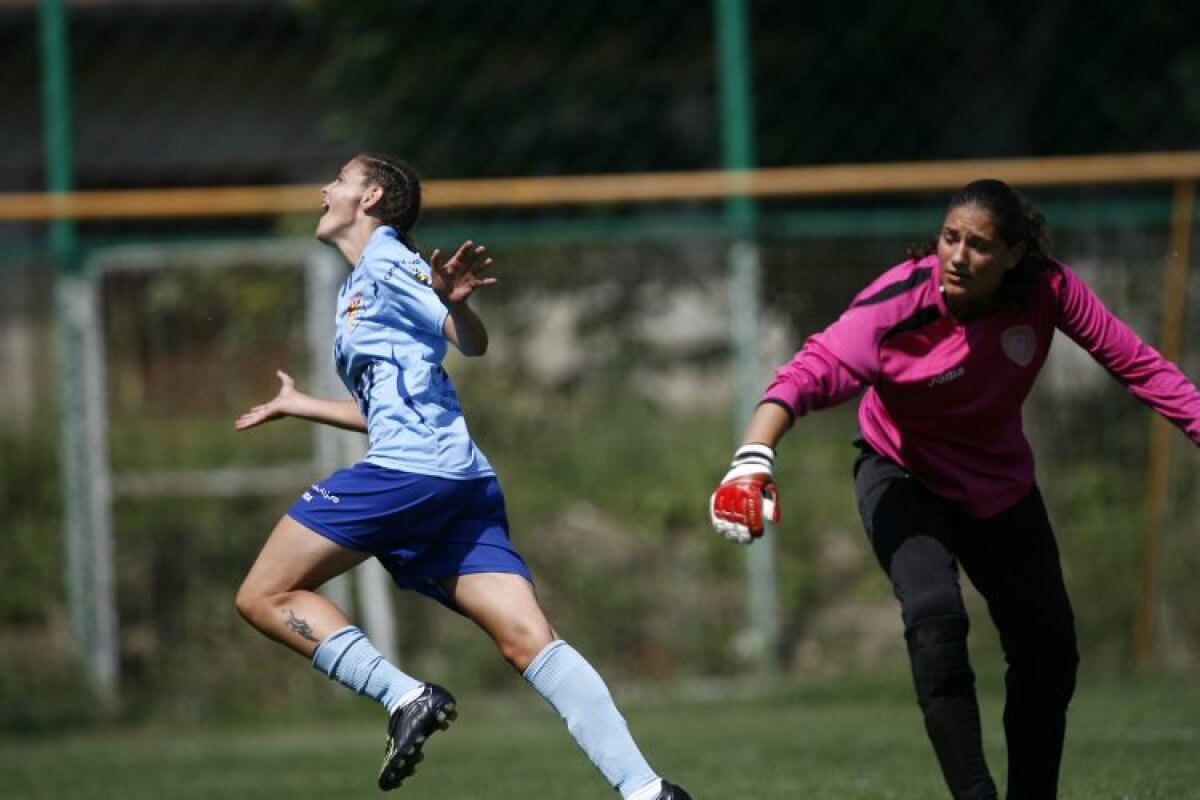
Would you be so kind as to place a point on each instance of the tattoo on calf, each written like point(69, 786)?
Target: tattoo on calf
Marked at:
point(300, 626)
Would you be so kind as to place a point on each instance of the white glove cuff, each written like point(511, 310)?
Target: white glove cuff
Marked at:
point(752, 459)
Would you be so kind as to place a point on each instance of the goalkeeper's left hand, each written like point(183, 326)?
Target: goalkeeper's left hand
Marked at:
point(746, 496)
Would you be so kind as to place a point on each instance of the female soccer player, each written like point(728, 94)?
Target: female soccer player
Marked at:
point(424, 500)
point(947, 347)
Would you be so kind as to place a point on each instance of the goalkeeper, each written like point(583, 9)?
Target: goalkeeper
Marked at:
point(947, 345)
point(424, 501)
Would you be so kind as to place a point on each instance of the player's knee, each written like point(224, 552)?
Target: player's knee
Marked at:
point(937, 602)
point(1044, 675)
point(520, 643)
point(250, 604)
point(937, 648)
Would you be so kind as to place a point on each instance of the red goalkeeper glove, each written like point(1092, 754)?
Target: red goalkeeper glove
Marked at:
point(747, 496)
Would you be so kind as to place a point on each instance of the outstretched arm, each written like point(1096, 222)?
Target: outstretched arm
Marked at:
point(1141, 369)
point(454, 281)
point(746, 496)
point(290, 402)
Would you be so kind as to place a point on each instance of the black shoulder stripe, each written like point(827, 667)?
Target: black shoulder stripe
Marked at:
point(918, 277)
point(919, 319)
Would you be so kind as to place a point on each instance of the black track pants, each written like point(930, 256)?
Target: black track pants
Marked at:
point(1012, 559)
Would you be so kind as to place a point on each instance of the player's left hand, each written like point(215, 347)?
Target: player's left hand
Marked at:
point(456, 278)
point(747, 496)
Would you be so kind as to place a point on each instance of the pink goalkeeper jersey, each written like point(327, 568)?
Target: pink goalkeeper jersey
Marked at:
point(944, 398)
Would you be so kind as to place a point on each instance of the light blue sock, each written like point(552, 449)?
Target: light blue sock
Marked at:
point(349, 658)
point(578, 694)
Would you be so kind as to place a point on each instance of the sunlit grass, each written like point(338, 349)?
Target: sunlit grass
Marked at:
point(828, 741)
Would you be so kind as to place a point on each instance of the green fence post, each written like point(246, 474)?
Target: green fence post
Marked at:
point(737, 141)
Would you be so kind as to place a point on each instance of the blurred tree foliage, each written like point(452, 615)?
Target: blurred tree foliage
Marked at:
point(526, 87)
point(523, 87)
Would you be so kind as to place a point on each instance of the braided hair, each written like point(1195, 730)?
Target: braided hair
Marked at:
point(401, 203)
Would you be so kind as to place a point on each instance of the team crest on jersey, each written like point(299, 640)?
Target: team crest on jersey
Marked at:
point(1019, 343)
point(352, 310)
point(420, 276)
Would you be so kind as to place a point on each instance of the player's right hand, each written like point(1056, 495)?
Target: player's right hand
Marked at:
point(273, 408)
point(747, 496)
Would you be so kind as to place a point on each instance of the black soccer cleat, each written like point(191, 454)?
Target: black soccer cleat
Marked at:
point(408, 728)
point(670, 791)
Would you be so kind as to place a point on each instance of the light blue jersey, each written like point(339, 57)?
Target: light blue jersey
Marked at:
point(388, 352)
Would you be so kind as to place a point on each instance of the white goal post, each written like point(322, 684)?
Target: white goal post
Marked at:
point(91, 485)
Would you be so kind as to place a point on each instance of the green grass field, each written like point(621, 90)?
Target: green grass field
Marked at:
point(844, 741)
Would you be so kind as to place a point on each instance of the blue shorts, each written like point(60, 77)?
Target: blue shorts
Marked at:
point(421, 528)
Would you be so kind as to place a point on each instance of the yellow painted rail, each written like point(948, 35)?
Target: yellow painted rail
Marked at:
point(646, 187)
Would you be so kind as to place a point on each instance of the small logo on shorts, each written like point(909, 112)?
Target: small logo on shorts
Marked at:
point(321, 490)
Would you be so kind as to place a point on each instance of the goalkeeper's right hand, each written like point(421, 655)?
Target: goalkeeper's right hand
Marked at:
point(747, 495)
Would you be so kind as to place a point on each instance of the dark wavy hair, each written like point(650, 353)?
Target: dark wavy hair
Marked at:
point(1017, 221)
point(401, 205)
